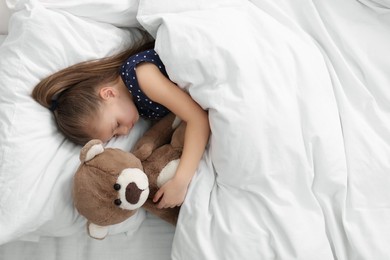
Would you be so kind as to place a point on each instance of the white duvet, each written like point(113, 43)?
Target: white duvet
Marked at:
point(298, 99)
point(297, 166)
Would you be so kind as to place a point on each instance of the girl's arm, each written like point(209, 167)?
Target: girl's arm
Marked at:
point(161, 90)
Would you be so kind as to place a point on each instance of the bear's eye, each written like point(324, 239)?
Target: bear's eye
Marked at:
point(117, 202)
point(117, 186)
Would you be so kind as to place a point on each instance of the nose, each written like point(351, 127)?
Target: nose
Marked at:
point(133, 193)
point(123, 130)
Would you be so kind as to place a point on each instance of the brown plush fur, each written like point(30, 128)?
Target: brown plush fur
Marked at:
point(93, 187)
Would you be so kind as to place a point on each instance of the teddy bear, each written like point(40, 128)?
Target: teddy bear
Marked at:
point(110, 184)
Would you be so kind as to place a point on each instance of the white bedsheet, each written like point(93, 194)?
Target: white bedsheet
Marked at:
point(298, 98)
point(152, 240)
point(298, 162)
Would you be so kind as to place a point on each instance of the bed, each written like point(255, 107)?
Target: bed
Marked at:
point(297, 165)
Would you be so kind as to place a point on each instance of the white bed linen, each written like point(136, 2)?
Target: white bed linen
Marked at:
point(152, 240)
point(299, 109)
point(122, 13)
point(297, 166)
point(259, 168)
point(354, 38)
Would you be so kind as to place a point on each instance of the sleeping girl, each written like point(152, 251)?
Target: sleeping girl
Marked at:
point(104, 98)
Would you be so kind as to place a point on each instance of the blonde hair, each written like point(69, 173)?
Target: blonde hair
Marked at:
point(73, 93)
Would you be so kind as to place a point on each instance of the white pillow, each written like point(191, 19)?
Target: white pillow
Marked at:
point(36, 162)
point(121, 13)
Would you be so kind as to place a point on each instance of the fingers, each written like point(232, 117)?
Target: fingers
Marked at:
point(163, 205)
point(168, 197)
point(164, 202)
point(158, 195)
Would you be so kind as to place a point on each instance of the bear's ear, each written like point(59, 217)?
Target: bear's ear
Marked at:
point(96, 231)
point(91, 149)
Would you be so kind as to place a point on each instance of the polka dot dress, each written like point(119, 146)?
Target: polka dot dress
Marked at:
point(146, 108)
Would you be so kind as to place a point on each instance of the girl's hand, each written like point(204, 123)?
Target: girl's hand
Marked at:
point(172, 194)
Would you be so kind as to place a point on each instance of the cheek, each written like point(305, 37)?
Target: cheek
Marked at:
point(130, 113)
point(133, 110)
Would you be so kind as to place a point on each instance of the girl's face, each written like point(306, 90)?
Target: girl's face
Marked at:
point(117, 114)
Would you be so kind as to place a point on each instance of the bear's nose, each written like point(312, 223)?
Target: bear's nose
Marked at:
point(133, 193)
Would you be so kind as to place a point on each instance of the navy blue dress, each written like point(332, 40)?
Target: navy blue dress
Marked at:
point(146, 108)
